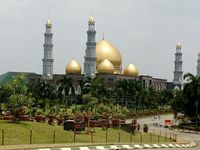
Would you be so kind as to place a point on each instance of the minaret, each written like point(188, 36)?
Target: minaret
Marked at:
point(90, 52)
point(178, 73)
point(198, 65)
point(48, 53)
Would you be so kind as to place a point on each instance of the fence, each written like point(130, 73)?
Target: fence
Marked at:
point(30, 136)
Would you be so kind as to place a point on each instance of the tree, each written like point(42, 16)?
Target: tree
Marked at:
point(44, 90)
point(191, 94)
point(166, 97)
point(96, 88)
point(65, 88)
point(177, 102)
point(89, 102)
point(5, 93)
point(153, 97)
point(19, 84)
point(127, 91)
point(18, 104)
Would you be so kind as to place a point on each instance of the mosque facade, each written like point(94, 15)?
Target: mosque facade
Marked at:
point(102, 60)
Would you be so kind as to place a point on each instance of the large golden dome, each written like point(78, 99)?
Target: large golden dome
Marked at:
point(131, 70)
point(73, 68)
point(106, 67)
point(105, 50)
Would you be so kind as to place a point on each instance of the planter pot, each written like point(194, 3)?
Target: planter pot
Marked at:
point(40, 118)
point(10, 117)
point(60, 121)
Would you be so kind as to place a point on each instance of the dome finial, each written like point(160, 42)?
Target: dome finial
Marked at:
point(103, 35)
point(48, 24)
point(178, 45)
point(91, 20)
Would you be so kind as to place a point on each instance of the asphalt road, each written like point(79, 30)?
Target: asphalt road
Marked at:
point(181, 136)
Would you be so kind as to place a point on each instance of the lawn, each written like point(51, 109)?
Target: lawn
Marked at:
point(19, 133)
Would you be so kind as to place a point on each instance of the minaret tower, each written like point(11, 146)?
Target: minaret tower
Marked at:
point(198, 65)
point(48, 53)
point(90, 52)
point(178, 73)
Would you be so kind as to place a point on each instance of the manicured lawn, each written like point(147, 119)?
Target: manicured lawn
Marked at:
point(19, 133)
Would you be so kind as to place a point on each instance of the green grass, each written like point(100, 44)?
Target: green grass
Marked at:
point(19, 133)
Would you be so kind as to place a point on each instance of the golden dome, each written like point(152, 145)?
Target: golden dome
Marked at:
point(105, 50)
point(73, 68)
point(106, 67)
point(48, 24)
point(91, 20)
point(131, 70)
point(178, 45)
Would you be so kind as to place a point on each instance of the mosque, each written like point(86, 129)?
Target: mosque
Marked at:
point(102, 60)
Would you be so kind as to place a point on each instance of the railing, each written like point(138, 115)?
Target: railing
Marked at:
point(30, 136)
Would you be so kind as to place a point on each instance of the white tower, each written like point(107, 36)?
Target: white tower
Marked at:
point(198, 65)
point(48, 53)
point(90, 52)
point(178, 73)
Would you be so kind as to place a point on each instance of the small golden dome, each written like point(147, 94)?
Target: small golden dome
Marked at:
point(73, 68)
point(48, 24)
point(131, 70)
point(178, 45)
point(91, 20)
point(106, 67)
point(105, 50)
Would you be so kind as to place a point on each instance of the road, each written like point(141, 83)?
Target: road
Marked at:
point(181, 136)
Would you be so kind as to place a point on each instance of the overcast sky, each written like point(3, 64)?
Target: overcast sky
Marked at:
point(145, 32)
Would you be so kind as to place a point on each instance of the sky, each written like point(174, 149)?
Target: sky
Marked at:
point(144, 31)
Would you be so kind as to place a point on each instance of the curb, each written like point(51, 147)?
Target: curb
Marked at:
point(187, 131)
point(128, 146)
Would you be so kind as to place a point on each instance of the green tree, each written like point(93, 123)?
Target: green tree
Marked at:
point(89, 102)
point(18, 84)
point(44, 90)
point(191, 94)
point(65, 88)
point(5, 93)
point(18, 104)
point(96, 88)
point(127, 91)
point(177, 102)
point(166, 97)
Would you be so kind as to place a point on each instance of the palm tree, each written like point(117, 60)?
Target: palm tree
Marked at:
point(44, 90)
point(166, 97)
point(96, 88)
point(120, 91)
point(191, 93)
point(177, 102)
point(127, 90)
point(65, 87)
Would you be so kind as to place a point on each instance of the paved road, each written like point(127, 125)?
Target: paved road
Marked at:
point(181, 136)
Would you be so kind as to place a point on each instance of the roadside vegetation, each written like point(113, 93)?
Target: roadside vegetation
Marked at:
point(126, 99)
point(92, 101)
